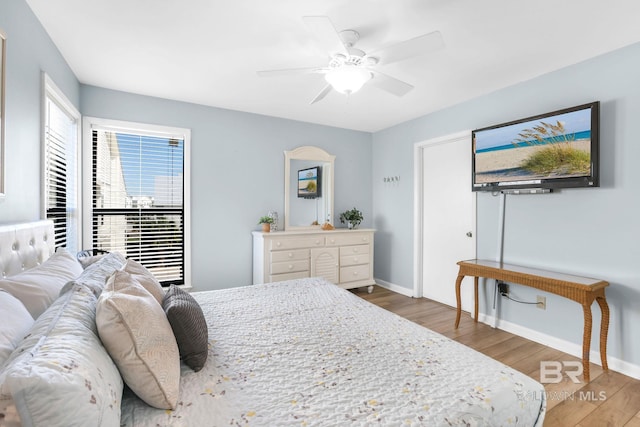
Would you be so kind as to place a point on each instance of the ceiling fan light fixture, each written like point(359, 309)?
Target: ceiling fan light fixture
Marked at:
point(347, 79)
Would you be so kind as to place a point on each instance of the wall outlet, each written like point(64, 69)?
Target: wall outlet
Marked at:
point(541, 303)
point(503, 288)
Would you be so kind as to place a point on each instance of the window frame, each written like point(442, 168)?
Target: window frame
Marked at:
point(90, 124)
point(50, 91)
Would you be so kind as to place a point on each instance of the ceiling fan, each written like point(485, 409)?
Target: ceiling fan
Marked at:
point(350, 68)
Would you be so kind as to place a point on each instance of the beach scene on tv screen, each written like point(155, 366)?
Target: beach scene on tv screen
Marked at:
point(553, 147)
point(307, 182)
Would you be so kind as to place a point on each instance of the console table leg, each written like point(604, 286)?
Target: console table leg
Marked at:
point(586, 341)
point(604, 329)
point(458, 300)
point(475, 298)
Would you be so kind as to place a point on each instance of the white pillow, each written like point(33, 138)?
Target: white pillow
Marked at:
point(16, 322)
point(60, 374)
point(145, 278)
point(95, 276)
point(39, 286)
point(137, 335)
point(86, 261)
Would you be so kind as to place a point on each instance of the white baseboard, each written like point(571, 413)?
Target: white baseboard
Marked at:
point(568, 347)
point(395, 288)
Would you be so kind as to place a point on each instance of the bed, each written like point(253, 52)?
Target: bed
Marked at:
point(296, 353)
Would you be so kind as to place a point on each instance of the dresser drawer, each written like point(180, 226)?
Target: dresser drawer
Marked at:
point(354, 250)
point(291, 255)
point(354, 273)
point(296, 243)
point(288, 276)
point(349, 239)
point(348, 260)
point(290, 266)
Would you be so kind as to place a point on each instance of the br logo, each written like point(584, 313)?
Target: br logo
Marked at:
point(551, 371)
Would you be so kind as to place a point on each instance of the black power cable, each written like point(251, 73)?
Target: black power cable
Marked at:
point(515, 300)
point(503, 290)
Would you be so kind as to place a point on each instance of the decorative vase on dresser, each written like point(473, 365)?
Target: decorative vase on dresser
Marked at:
point(343, 257)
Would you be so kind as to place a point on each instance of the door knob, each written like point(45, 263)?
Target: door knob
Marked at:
point(469, 234)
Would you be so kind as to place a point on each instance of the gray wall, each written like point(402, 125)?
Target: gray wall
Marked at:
point(237, 173)
point(29, 53)
point(590, 232)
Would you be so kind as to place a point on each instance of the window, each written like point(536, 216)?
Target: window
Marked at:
point(138, 189)
point(61, 172)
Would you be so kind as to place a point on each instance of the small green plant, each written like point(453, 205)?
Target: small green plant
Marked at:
point(353, 217)
point(265, 220)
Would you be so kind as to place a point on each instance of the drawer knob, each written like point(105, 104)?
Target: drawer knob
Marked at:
point(356, 250)
point(290, 267)
point(332, 241)
point(355, 259)
point(317, 242)
point(278, 243)
point(355, 273)
point(290, 254)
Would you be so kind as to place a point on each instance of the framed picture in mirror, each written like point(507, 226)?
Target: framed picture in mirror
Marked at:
point(310, 182)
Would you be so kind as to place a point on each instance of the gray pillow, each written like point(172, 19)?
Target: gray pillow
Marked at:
point(189, 326)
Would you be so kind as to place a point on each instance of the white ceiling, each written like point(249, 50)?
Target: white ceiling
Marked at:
point(208, 51)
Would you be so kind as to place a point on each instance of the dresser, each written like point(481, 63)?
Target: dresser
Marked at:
point(341, 256)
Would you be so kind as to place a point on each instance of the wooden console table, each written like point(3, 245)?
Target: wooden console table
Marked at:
point(582, 290)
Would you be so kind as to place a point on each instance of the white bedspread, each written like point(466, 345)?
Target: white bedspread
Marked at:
point(305, 352)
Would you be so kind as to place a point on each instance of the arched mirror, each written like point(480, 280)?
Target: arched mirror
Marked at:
point(308, 188)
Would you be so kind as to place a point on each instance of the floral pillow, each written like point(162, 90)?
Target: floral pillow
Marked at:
point(61, 375)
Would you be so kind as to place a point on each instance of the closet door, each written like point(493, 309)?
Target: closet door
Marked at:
point(449, 218)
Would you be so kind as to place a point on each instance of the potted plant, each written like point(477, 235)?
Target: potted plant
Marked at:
point(352, 217)
point(266, 222)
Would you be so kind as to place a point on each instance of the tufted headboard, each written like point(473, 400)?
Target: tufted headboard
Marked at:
point(25, 245)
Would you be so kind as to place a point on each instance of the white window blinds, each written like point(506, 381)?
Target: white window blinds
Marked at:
point(60, 151)
point(138, 199)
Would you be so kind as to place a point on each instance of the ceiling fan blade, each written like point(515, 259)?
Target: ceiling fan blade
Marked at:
point(326, 34)
point(389, 84)
point(322, 94)
point(409, 48)
point(290, 71)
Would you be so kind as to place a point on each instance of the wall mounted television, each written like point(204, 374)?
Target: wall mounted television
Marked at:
point(310, 183)
point(549, 151)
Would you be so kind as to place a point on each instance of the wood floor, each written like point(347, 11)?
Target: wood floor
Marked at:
point(610, 399)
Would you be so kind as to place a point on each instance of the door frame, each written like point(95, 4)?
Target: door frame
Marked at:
point(418, 203)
